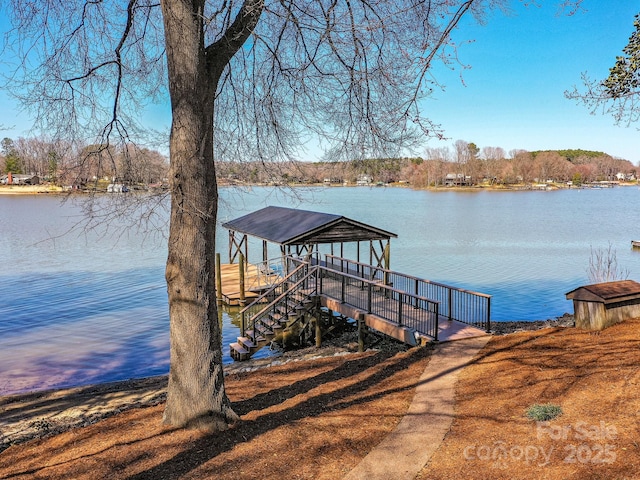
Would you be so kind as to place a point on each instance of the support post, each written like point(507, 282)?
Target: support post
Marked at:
point(386, 260)
point(318, 332)
point(437, 319)
point(218, 280)
point(360, 335)
point(241, 272)
point(387, 256)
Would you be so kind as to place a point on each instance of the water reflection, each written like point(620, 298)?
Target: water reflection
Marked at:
point(91, 306)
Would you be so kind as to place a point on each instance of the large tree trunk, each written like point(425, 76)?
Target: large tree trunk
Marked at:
point(196, 396)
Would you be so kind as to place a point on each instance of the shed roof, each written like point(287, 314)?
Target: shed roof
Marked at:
point(290, 226)
point(608, 292)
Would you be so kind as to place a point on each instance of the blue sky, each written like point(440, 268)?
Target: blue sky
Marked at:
point(512, 94)
point(521, 65)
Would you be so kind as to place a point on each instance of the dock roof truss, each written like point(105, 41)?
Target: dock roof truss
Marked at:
point(301, 230)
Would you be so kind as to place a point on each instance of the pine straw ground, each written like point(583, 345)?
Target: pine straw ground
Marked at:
point(317, 419)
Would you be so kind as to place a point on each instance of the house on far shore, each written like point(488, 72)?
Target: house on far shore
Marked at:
point(457, 180)
point(19, 179)
point(601, 305)
point(625, 177)
point(364, 180)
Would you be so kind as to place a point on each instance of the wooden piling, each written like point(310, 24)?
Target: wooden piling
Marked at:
point(218, 280)
point(387, 263)
point(318, 331)
point(241, 272)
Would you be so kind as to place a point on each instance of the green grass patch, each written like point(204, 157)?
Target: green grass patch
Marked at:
point(543, 412)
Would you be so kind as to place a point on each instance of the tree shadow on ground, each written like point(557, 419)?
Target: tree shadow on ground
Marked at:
point(279, 395)
point(209, 447)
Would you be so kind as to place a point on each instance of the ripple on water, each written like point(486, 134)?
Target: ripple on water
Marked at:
point(90, 307)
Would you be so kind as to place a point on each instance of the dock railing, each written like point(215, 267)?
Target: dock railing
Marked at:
point(459, 304)
point(276, 291)
point(267, 274)
point(374, 297)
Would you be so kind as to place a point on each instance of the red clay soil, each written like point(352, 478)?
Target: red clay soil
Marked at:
point(317, 419)
point(593, 376)
point(303, 420)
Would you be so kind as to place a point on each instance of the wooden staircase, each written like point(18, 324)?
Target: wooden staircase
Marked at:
point(293, 301)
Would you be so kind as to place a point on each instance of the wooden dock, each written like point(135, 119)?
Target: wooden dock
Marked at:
point(254, 283)
point(448, 330)
point(401, 314)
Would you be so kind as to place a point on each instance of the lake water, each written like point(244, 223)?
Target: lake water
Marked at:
point(91, 306)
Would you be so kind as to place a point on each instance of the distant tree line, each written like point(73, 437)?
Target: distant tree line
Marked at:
point(463, 164)
point(72, 165)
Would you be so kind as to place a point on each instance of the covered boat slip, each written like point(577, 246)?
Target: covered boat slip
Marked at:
point(407, 308)
point(296, 232)
point(299, 232)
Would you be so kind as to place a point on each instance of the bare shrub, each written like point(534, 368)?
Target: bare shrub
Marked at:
point(603, 266)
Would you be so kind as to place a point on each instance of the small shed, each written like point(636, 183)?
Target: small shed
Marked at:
point(601, 305)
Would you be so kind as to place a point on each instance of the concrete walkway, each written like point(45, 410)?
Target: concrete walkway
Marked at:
point(406, 450)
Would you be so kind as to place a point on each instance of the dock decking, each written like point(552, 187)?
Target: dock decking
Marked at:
point(230, 277)
point(448, 330)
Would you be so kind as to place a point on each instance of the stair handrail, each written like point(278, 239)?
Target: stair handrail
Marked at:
point(272, 289)
point(254, 318)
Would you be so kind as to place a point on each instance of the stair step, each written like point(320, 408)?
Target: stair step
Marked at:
point(255, 339)
point(299, 305)
point(246, 343)
point(263, 330)
point(238, 348)
point(276, 317)
point(271, 326)
point(268, 322)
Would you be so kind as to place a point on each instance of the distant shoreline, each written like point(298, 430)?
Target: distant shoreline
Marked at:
point(52, 189)
point(29, 189)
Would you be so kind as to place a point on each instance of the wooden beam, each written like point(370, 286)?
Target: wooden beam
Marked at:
point(241, 273)
point(218, 280)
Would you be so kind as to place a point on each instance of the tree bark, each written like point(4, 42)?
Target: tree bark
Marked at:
point(196, 396)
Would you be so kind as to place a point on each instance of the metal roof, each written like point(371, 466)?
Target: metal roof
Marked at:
point(290, 226)
point(607, 292)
